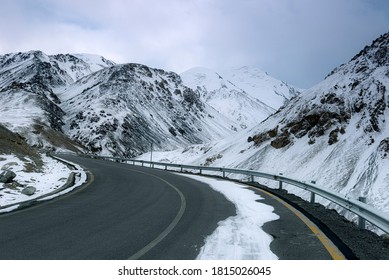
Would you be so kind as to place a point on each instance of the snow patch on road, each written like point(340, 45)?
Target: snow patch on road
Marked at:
point(240, 237)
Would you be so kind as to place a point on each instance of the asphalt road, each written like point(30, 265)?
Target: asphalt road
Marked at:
point(131, 212)
point(126, 212)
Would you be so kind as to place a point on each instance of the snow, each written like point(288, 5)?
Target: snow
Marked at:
point(80, 179)
point(261, 85)
point(240, 237)
point(228, 99)
point(14, 104)
point(95, 62)
point(53, 175)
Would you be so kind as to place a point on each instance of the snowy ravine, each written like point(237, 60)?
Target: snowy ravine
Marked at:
point(239, 237)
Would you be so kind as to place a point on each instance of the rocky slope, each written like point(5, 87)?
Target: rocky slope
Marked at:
point(28, 85)
point(13, 143)
point(123, 109)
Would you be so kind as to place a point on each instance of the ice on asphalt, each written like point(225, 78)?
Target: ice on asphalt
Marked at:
point(240, 237)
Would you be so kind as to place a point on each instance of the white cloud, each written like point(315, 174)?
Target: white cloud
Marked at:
point(298, 41)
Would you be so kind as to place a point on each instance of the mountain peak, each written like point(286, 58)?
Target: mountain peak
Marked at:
point(368, 59)
point(377, 52)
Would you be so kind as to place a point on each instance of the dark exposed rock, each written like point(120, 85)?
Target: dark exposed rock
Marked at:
point(273, 132)
point(280, 142)
point(181, 131)
point(260, 138)
point(332, 98)
point(333, 136)
point(14, 185)
point(212, 159)
point(172, 131)
point(7, 176)
point(383, 148)
point(29, 190)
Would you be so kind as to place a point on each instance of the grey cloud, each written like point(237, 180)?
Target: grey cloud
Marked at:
point(298, 41)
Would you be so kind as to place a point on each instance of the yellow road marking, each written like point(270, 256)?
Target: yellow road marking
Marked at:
point(335, 253)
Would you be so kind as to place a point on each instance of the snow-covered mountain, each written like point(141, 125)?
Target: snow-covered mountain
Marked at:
point(246, 95)
point(335, 133)
point(122, 109)
point(260, 85)
point(68, 101)
point(53, 71)
point(28, 86)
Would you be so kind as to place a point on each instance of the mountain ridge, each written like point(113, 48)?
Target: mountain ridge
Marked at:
point(246, 95)
point(39, 88)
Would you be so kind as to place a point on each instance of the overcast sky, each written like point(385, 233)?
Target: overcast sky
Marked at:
point(297, 41)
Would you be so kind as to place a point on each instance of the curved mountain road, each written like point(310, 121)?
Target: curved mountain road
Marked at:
point(132, 212)
point(124, 213)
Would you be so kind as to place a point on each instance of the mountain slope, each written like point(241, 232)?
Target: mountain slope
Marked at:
point(335, 133)
point(28, 85)
point(245, 95)
point(260, 85)
point(111, 109)
point(122, 109)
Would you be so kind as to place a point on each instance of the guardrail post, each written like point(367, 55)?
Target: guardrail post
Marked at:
point(142, 163)
point(165, 167)
point(313, 194)
point(252, 178)
point(362, 221)
point(224, 174)
point(201, 171)
point(181, 169)
point(133, 162)
point(279, 183)
point(312, 197)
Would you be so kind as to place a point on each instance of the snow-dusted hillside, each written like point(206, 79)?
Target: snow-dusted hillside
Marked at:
point(245, 95)
point(122, 109)
point(261, 86)
point(52, 71)
point(335, 133)
point(28, 86)
point(79, 65)
point(111, 109)
point(226, 98)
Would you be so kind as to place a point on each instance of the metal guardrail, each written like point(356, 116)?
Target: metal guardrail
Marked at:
point(363, 210)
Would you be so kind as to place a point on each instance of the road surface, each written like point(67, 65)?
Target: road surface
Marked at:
point(132, 212)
